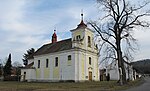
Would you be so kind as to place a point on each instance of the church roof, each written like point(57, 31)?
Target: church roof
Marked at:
point(54, 47)
point(82, 24)
point(29, 65)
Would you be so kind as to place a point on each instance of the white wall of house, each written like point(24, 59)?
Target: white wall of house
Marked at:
point(64, 71)
point(114, 72)
point(27, 74)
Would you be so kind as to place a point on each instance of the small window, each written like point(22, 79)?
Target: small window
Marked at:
point(56, 62)
point(89, 41)
point(47, 61)
point(78, 37)
point(38, 63)
point(69, 58)
point(90, 61)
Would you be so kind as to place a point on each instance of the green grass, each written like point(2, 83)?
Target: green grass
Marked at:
point(83, 86)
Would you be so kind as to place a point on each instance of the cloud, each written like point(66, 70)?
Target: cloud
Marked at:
point(17, 35)
point(28, 24)
point(142, 35)
point(25, 24)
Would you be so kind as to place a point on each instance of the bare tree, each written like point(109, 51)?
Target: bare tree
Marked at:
point(115, 30)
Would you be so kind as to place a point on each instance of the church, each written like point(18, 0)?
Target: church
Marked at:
point(74, 59)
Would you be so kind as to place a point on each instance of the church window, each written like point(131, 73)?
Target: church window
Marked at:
point(56, 62)
point(38, 63)
point(89, 41)
point(90, 61)
point(78, 37)
point(69, 60)
point(47, 61)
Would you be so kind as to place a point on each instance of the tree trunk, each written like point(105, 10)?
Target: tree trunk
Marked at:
point(122, 73)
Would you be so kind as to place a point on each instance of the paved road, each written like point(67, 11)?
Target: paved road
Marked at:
point(144, 87)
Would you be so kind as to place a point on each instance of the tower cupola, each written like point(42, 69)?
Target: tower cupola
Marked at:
point(54, 37)
point(82, 24)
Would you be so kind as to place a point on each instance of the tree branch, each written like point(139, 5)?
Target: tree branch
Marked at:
point(98, 31)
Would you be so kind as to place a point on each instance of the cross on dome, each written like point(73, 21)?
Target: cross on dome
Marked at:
point(82, 24)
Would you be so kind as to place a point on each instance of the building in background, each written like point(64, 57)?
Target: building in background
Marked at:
point(113, 71)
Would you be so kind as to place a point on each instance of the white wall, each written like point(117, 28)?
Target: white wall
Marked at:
point(29, 76)
point(66, 72)
point(83, 56)
point(114, 72)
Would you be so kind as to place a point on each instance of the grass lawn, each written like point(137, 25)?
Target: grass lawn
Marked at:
point(84, 86)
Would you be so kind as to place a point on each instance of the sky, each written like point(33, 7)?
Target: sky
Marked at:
point(26, 24)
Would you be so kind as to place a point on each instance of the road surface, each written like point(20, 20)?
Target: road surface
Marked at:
point(144, 87)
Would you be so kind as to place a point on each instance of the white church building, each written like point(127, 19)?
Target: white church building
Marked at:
point(74, 59)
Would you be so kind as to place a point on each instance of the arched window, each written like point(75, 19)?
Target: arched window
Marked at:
point(56, 62)
point(90, 61)
point(47, 61)
point(89, 41)
point(69, 60)
point(78, 37)
point(38, 63)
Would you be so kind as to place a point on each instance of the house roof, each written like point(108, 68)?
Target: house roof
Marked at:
point(54, 47)
point(29, 65)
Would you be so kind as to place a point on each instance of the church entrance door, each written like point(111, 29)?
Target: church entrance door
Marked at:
point(90, 76)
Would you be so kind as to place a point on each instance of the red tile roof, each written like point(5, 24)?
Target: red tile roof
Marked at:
point(54, 47)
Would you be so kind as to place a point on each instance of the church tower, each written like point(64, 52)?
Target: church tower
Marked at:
point(83, 37)
point(86, 55)
point(54, 37)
